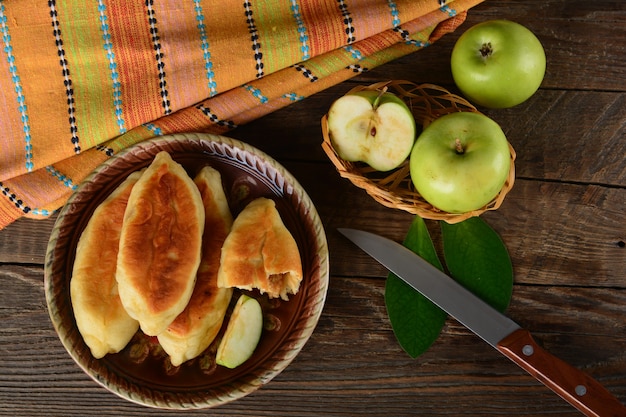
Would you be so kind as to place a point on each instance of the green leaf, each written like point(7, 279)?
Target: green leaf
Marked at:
point(477, 258)
point(415, 320)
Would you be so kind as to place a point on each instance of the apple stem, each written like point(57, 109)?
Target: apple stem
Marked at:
point(458, 146)
point(380, 94)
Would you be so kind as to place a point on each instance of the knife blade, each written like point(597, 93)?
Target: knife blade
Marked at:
point(575, 386)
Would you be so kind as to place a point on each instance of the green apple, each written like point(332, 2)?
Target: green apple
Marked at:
point(242, 334)
point(498, 63)
point(460, 162)
point(375, 127)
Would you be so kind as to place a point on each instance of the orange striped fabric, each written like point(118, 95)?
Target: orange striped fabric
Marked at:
point(79, 81)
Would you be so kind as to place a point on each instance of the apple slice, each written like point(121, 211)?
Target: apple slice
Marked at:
point(375, 127)
point(242, 333)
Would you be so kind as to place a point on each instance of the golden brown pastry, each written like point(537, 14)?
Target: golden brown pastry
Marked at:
point(103, 322)
point(196, 327)
point(260, 253)
point(160, 245)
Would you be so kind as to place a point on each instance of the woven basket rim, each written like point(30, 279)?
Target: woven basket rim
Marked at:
point(394, 188)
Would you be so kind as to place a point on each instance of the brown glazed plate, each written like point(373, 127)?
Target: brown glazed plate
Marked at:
point(142, 373)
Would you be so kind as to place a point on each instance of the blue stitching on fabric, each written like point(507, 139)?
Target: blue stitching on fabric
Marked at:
point(153, 128)
point(42, 212)
point(21, 100)
point(117, 85)
point(256, 93)
point(356, 54)
point(65, 180)
point(302, 36)
point(293, 96)
point(447, 9)
point(394, 13)
point(204, 44)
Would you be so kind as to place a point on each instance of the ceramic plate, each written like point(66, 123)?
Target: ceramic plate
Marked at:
point(142, 373)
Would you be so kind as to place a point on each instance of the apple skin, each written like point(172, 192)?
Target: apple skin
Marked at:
point(498, 63)
point(373, 127)
point(460, 182)
point(242, 334)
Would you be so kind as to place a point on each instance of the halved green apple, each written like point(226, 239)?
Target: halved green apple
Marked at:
point(375, 127)
point(242, 334)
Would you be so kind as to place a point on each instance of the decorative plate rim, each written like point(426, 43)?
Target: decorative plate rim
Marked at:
point(278, 359)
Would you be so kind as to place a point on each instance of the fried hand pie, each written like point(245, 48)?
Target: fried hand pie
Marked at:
point(160, 245)
point(261, 253)
point(100, 316)
point(198, 325)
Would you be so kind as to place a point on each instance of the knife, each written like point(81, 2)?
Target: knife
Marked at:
point(574, 386)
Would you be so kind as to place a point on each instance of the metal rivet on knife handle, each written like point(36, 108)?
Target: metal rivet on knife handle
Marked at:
point(573, 385)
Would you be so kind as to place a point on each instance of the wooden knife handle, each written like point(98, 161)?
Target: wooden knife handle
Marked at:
point(575, 386)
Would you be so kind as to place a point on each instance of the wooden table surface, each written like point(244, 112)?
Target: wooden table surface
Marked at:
point(564, 224)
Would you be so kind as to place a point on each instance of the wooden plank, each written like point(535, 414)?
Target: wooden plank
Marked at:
point(585, 44)
point(25, 241)
point(569, 136)
point(572, 234)
point(351, 365)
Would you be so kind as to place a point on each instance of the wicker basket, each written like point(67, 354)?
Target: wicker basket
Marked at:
point(394, 188)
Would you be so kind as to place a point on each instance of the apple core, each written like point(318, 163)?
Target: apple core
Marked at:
point(371, 126)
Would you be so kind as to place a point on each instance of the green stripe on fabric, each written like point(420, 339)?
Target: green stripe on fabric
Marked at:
point(89, 71)
point(130, 138)
point(278, 34)
point(322, 67)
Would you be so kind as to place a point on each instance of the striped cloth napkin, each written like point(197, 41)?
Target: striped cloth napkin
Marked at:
point(81, 80)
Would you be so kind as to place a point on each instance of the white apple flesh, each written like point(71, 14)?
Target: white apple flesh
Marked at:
point(460, 162)
point(373, 127)
point(242, 334)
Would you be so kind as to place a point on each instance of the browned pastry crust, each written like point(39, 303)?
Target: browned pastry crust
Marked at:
point(160, 245)
point(261, 253)
point(100, 316)
point(198, 325)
